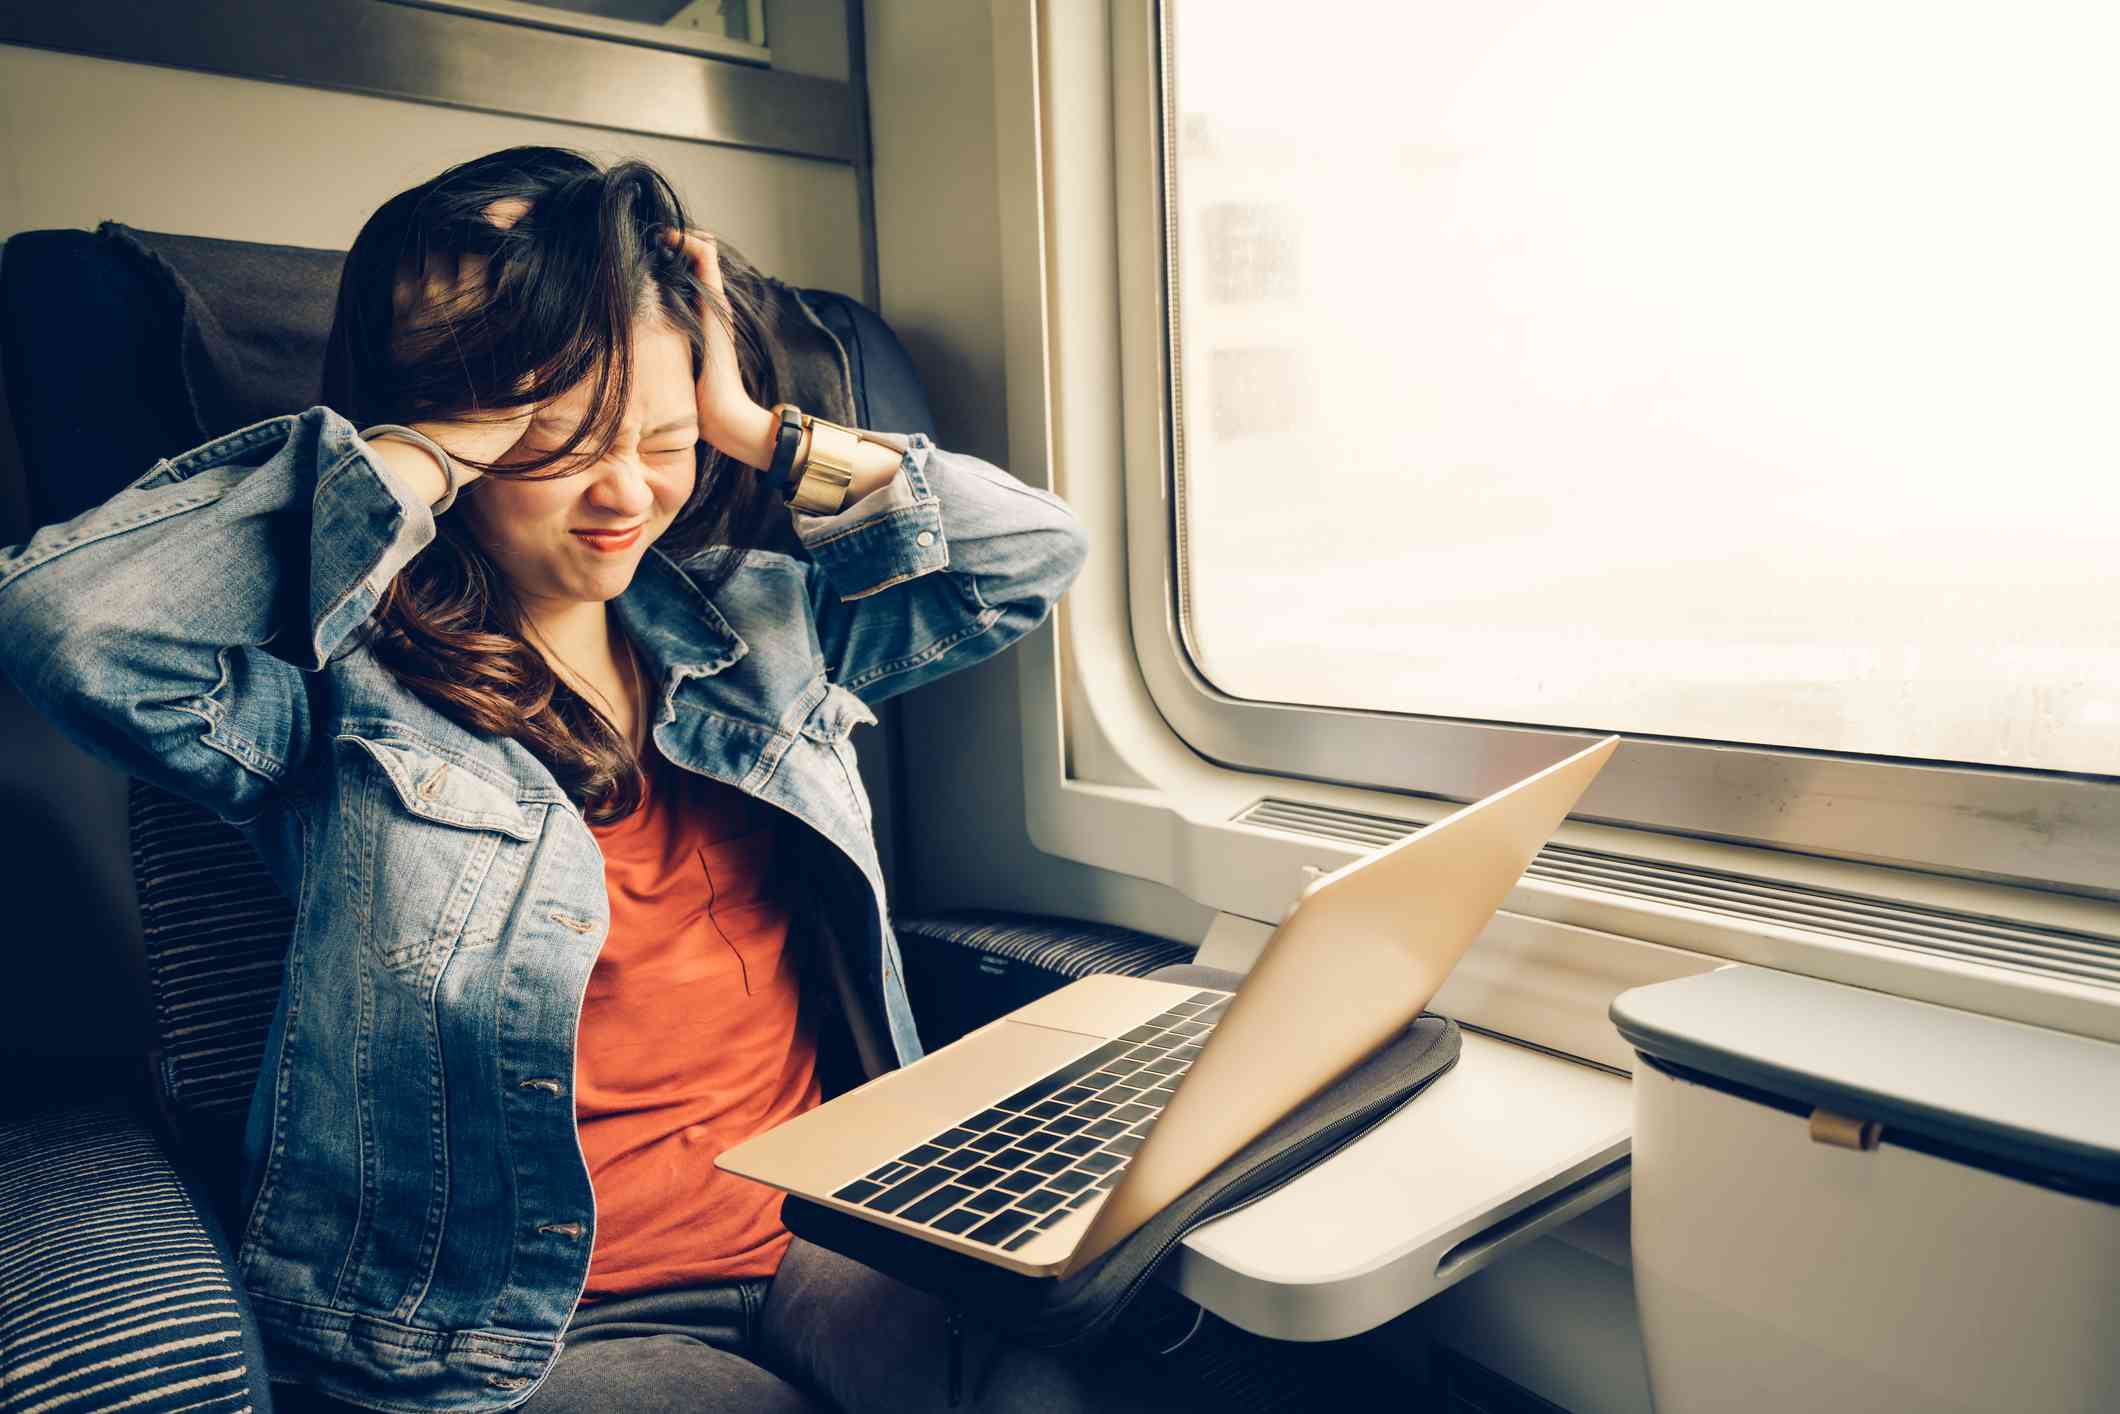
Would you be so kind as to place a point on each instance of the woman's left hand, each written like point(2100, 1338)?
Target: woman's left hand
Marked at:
point(729, 420)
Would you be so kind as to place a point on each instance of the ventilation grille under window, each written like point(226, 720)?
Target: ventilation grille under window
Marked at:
point(2050, 952)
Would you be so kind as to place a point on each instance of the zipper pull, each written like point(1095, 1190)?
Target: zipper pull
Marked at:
point(953, 1322)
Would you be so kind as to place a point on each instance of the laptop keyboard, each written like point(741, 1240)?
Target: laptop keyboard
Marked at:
point(1029, 1160)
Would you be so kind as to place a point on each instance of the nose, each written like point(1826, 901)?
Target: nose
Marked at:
point(620, 488)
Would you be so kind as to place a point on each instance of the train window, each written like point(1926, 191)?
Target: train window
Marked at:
point(1723, 372)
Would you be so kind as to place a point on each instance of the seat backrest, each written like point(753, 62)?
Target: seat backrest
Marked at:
point(122, 347)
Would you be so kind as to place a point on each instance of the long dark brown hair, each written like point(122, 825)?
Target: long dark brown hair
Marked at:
point(562, 286)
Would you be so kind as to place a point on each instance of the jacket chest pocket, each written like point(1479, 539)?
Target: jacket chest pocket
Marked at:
point(422, 839)
point(831, 725)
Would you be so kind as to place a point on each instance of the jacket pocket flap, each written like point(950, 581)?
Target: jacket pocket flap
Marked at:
point(439, 790)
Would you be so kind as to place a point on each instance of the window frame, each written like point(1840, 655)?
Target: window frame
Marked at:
point(2048, 829)
point(1163, 830)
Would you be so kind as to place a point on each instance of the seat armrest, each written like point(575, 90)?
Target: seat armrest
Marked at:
point(116, 1285)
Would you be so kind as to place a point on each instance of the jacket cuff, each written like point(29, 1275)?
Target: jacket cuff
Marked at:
point(891, 535)
point(368, 525)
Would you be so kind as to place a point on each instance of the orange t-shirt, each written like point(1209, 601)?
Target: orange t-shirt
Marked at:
point(692, 1039)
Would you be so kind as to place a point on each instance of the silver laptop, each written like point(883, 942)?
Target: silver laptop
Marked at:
point(1039, 1140)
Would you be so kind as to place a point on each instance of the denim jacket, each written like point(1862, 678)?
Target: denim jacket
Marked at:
point(419, 1213)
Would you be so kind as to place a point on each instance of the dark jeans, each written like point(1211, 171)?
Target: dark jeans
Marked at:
point(822, 1334)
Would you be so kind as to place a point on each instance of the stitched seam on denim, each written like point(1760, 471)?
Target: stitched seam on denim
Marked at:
point(364, 1130)
point(275, 1147)
point(105, 530)
point(383, 1330)
point(928, 654)
point(877, 522)
point(437, 1141)
point(360, 584)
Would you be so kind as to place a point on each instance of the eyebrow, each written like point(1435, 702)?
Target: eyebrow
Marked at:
point(690, 419)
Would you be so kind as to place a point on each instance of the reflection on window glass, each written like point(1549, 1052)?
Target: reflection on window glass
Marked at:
point(720, 19)
point(1689, 367)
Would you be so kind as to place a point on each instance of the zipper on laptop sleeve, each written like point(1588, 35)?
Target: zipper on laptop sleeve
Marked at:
point(1356, 1123)
point(953, 1323)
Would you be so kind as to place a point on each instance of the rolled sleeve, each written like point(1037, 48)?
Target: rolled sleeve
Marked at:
point(977, 558)
point(889, 536)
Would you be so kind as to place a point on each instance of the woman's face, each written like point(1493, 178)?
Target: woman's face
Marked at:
point(532, 529)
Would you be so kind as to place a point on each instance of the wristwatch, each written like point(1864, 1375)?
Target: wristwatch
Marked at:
point(786, 440)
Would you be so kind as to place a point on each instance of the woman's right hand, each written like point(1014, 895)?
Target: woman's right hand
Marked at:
point(485, 439)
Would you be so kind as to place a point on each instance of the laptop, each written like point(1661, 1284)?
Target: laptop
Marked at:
point(1041, 1139)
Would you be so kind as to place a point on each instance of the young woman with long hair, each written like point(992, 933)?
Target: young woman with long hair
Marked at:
point(532, 687)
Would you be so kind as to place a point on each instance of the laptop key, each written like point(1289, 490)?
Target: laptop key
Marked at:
point(1021, 1181)
point(856, 1191)
point(957, 1220)
point(991, 1201)
point(939, 1201)
point(906, 1190)
point(999, 1226)
point(980, 1177)
point(1065, 1076)
point(1080, 1144)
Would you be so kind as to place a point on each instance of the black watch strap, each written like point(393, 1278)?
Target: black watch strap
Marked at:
point(784, 448)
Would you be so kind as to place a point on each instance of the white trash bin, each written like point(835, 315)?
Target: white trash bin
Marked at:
point(1845, 1200)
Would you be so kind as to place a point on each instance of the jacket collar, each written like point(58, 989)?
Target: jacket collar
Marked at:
point(676, 627)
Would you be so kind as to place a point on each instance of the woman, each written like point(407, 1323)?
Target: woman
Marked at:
point(552, 755)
